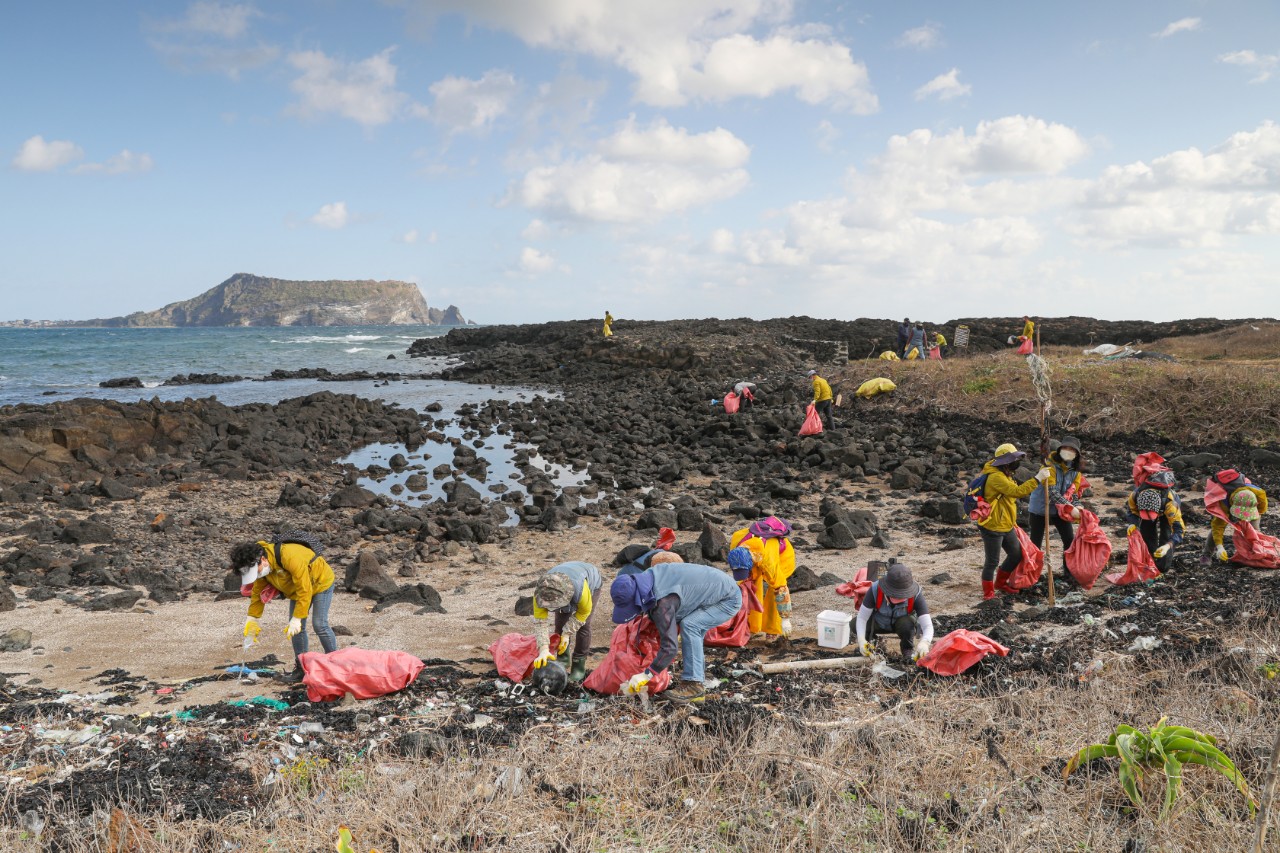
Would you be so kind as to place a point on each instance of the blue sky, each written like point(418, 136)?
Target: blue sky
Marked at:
point(546, 159)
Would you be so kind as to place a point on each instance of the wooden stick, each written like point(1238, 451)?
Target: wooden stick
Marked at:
point(822, 663)
point(1267, 794)
point(1044, 437)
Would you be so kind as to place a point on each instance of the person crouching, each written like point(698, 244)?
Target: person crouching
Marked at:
point(299, 574)
point(895, 605)
point(567, 590)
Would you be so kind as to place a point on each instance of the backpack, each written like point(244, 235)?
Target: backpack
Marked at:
point(770, 527)
point(911, 602)
point(975, 504)
point(297, 537)
point(1236, 481)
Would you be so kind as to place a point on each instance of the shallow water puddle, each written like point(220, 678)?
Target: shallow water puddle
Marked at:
point(502, 474)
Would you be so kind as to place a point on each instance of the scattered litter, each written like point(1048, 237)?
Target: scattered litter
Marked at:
point(1144, 644)
point(480, 721)
point(1127, 628)
point(310, 728)
point(264, 701)
point(883, 670)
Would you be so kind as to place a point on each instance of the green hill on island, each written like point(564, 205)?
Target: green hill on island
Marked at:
point(252, 300)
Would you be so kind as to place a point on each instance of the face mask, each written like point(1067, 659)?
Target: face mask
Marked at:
point(1066, 455)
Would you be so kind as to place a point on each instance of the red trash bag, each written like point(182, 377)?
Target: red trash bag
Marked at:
point(1028, 571)
point(812, 421)
point(1027, 347)
point(731, 403)
point(936, 353)
point(513, 654)
point(1089, 552)
point(1140, 568)
point(666, 539)
point(1255, 549)
point(364, 673)
point(855, 588)
point(736, 632)
point(958, 651)
point(632, 647)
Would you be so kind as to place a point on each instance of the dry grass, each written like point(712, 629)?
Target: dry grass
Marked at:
point(1250, 342)
point(1192, 403)
point(940, 768)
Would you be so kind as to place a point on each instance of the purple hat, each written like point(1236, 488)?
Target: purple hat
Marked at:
point(740, 563)
point(632, 595)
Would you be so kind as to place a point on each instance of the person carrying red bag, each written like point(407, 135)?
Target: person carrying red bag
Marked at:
point(1001, 494)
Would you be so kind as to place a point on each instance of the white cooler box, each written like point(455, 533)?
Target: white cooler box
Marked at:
point(833, 629)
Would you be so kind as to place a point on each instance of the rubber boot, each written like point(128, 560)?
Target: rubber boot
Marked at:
point(296, 676)
point(988, 590)
point(1002, 582)
point(579, 669)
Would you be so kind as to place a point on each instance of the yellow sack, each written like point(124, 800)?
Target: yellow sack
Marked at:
point(889, 355)
point(872, 387)
point(914, 354)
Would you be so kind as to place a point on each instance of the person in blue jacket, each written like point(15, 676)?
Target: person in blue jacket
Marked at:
point(685, 601)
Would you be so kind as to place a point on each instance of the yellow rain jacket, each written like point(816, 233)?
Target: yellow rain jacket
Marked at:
point(608, 325)
point(1002, 494)
point(872, 387)
point(821, 389)
point(1029, 329)
point(939, 339)
point(298, 578)
point(773, 565)
point(1217, 526)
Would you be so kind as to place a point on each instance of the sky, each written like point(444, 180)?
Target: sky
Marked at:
point(531, 160)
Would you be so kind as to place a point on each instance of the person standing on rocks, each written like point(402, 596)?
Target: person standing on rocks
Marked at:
point(1244, 503)
point(915, 345)
point(895, 605)
point(904, 335)
point(299, 574)
point(1028, 328)
point(1066, 482)
point(1155, 511)
point(1002, 494)
point(685, 601)
point(608, 324)
point(773, 559)
point(822, 399)
point(568, 590)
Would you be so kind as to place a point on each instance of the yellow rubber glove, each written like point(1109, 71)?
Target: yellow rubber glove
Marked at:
point(922, 649)
point(252, 629)
point(867, 649)
point(544, 657)
point(1221, 553)
point(638, 682)
point(1129, 531)
point(294, 628)
point(1162, 550)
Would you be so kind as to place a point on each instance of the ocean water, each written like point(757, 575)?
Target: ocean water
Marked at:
point(44, 365)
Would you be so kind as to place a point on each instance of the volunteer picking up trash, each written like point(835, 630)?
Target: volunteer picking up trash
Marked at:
point(895, 605)
point(1155, 509)
point(568, 590)
point(1066, 482)
point(1000, 495)
point(822, 399)
point(1245, 503)
point(773, 563)
point(299, 574)
point(685, 601)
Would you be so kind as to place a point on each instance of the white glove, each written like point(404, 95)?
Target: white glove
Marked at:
point(866, 649)
point(295, 627)
point(922, 649)
point(1162, 550)
point(1042, 474)
point(1221, 553)
point(786, 628)
point(638, 682)
point(1075, 514)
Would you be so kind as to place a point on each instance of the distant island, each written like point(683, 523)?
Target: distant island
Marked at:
point(254, 300)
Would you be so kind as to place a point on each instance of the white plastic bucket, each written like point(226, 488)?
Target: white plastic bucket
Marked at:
point(833, 629)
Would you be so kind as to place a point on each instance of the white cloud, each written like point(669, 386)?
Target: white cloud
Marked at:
point(212, 36)
point(410, 237)
point(828, 133)
point(924, 37)
point(638, 174)
point(1013, 144)
point(463, 104)
point(333, 215)
point(945, 86)
point(225, 20)
point(1262, 63)
point(536, 230)
point(708, 50)
point(721, 241)
point(363, 91)
point(36, 155)
point(1182, 25)
point(123, 163)
point(536, 262)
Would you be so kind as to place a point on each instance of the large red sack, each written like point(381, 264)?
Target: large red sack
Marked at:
point(731, 403)
point(1089, 552)
point(737, 631)
point(812, 421)
point(513, 654)
point(364, 673)
point(856, 588)
point(1026, 347)
point(632, 647)
point(1252, 548)
point(1140, 567)
point(958, 651)
point(1028, 571)
point(936, 353)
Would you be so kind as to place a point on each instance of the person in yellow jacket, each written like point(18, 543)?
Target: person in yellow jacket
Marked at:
point(608, 324)
point(299, 574)
point(1002, 494)
point(1246, 503)
point(567, 590)
point(1028, 328)
point(822, 399)
point(773, 562)
point(939, 339)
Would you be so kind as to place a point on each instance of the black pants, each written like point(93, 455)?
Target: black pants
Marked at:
point(904, 626)
point(582, 640)
point(824, 412)
point(992, 542)
point(1156, 532)
point(1066, 532)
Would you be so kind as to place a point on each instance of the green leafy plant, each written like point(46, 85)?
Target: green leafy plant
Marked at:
point(1163, 748)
